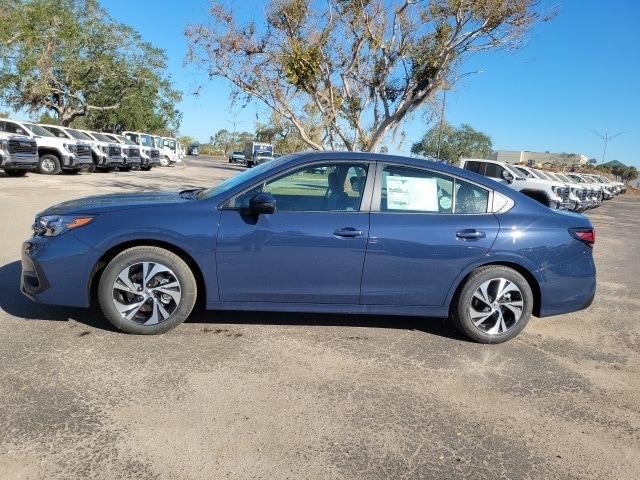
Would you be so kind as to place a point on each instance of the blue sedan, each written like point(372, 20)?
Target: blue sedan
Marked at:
point(318, 232)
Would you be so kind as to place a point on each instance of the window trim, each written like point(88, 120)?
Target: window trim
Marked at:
point(365, 204)
point(377, 191)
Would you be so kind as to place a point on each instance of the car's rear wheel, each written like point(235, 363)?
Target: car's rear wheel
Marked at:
point(165, 162)
point(147, 290)
point(494, 305)
point(49, 165)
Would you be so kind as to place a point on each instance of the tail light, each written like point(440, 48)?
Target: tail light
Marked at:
point(585, 235)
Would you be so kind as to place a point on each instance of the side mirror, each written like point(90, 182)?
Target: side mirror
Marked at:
point(507, 176)
point(261, 204)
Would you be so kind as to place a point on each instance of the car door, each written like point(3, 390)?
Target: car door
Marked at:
point(310, 250)
point(425, 228)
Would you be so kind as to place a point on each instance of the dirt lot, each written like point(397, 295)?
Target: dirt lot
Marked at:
point(261, 395)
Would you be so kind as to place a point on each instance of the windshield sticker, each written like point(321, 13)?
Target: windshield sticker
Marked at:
point(410, 193)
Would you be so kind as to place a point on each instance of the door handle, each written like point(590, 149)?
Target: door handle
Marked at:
point(347, 232)
point(470, 234)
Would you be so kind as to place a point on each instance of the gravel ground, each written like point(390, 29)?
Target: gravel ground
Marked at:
point(265, 395)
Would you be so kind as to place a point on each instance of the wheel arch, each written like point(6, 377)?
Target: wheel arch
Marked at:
point(104, 260)
point(49, 151)
point(526, 273)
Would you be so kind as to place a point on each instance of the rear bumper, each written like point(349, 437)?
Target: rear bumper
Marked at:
point(569, 286)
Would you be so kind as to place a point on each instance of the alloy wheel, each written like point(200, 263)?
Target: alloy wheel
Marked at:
point(147, 293)
point(496, 306)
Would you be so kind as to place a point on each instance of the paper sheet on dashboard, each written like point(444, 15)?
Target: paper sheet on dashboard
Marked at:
point(411, 193)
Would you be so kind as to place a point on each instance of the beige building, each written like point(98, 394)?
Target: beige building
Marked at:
point(539, 158)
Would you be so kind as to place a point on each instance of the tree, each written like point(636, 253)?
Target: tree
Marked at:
point(364, 65)
point(629, 173)
point(283, 135)
point(450, 143)
point(225, 141)
point(70, 58)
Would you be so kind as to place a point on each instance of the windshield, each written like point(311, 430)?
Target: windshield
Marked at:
point(77, 134)
point(38, 130)
point(102, 137)
point(158, 142)
point(564, 178)
point(577, 178)
point(236, 180)
point(146, 140)
point(127, 141)
point(170, 143)
point(524, 172)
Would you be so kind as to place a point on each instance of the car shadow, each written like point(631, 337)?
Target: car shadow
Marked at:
point(13, 302)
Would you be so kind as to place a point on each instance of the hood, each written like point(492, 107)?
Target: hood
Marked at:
point(114, 202)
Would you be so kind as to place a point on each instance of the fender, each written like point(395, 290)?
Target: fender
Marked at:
point(491, 258)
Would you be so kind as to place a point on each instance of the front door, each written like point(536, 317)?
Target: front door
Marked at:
point(426, 227)
point(310, 250)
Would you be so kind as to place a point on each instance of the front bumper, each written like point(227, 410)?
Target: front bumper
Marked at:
point(57, 270)
point(18, 162)
point(110, 162)
point(150, 162)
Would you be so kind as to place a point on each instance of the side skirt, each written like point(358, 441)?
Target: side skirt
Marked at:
point(410, 310)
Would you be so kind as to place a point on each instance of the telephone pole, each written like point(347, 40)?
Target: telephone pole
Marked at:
point(606, 138)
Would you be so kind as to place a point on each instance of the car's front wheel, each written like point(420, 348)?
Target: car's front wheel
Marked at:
point(147, 290)
point(494, 305)
point(49, 165)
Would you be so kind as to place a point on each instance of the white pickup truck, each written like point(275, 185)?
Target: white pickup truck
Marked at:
point(18, 154)
point(151, 153)
point(550, 193)
point(100, 156)
point(54, 154)
point(149, 156)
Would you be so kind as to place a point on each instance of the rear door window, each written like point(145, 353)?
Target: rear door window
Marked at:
point(409, 190)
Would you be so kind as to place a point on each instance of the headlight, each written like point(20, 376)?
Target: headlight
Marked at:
point(557, 190)
point(4, 145)
point(70, 147)
point(54, 225)
point(104, 148)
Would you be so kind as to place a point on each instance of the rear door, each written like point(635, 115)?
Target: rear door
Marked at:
point(425, 228)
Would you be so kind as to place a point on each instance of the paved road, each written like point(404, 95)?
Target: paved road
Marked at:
point(262, 395)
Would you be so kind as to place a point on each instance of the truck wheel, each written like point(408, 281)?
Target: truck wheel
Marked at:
point(147, 290)
point(165, 162)
point(49, 165)
point(493, 306)
point(12, 172)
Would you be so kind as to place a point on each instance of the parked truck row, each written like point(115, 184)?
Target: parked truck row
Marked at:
point(51, 149)
point(558, 190)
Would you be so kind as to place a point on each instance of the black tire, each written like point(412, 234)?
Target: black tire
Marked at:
point(17, 172)
point(70, 172)
point(124, 169)
point(131, 256)
point(145, 169)
point(49, 165)
point(460, 314)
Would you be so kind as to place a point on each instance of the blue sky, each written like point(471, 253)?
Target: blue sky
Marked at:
point(578, 73)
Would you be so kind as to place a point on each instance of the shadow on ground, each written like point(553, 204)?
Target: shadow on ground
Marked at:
point(17, 305)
